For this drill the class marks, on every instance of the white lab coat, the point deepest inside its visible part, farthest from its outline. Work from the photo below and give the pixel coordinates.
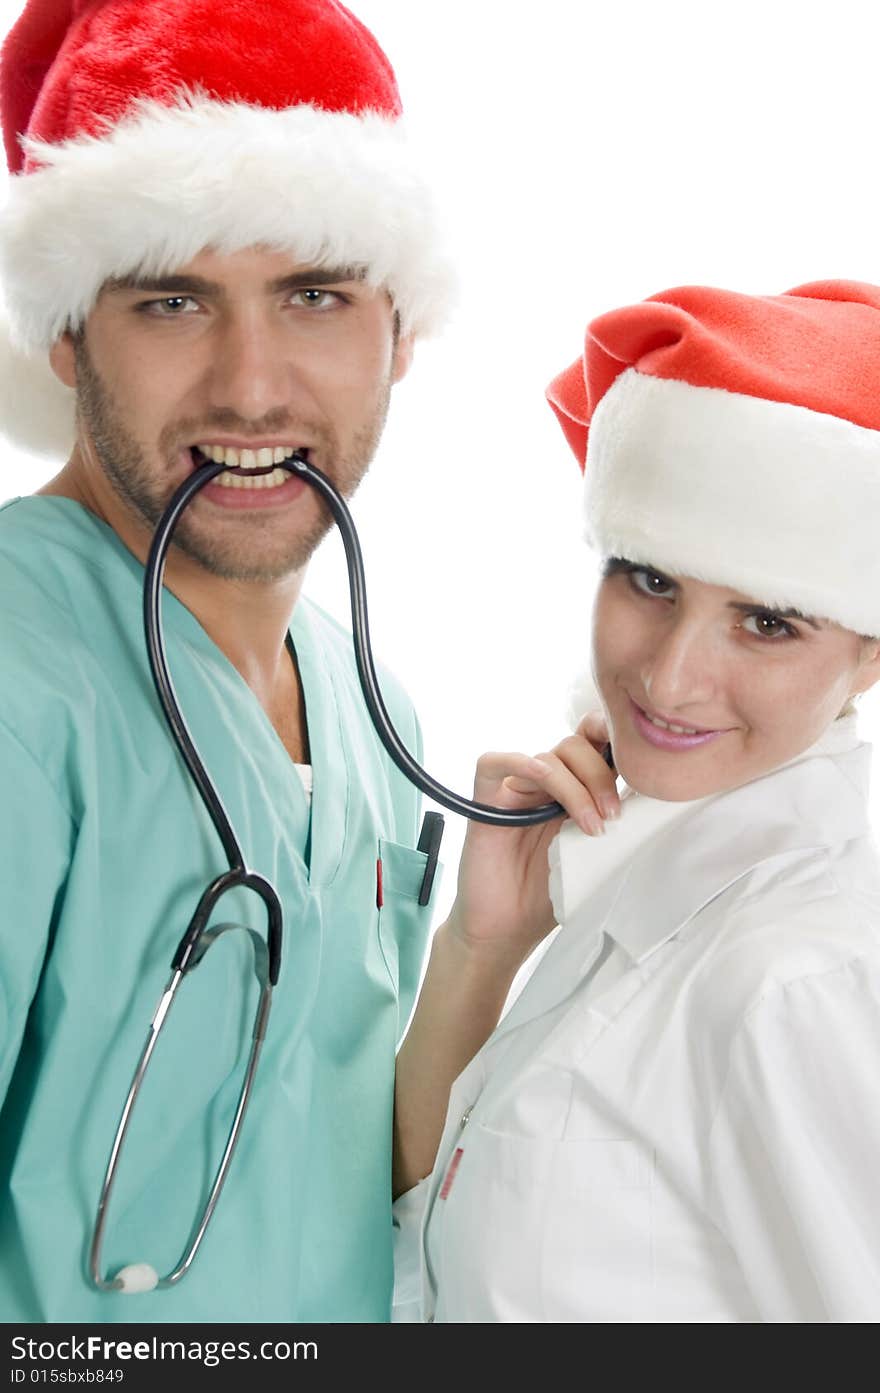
(678, 1119)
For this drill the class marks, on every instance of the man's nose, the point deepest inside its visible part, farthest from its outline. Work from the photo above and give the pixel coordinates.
(251, 373)
(683, 667)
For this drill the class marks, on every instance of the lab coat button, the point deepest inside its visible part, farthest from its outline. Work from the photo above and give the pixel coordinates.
(465, 1117)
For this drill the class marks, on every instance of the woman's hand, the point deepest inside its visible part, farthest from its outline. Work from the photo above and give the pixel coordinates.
(501, 912)
(502, 908)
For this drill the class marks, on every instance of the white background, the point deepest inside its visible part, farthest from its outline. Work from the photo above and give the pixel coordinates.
(586, 155)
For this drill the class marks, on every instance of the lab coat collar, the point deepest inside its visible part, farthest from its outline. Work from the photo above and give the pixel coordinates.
(678, 857)
(816, 801)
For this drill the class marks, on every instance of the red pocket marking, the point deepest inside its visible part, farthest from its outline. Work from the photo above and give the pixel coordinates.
(450, 1174)
(380, 900)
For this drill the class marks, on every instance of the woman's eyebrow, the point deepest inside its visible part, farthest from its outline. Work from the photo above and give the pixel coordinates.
(745, 608)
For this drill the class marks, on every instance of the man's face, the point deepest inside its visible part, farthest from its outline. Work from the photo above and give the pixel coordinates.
(241, 352)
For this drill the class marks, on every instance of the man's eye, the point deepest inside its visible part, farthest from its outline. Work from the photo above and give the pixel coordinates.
(316, 299)
(170, 306)
(651, 582)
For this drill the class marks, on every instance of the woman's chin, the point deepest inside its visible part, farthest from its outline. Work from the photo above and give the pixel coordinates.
(669, 785)
(662, 791)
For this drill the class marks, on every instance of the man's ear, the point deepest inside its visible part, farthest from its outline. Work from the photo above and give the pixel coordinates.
(62, 357)
(403, 356)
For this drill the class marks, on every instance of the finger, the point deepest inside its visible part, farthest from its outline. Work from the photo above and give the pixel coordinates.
(555, 780)
(574, 775)
(517, 780)
(594, 727)
(520, 785)
(511, 779)
(588, 766)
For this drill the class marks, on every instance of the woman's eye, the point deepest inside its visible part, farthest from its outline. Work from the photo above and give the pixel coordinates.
(651, 583)
(768, 626)
(170, 306)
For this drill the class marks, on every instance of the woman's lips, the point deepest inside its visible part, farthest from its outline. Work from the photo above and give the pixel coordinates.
(668, 739)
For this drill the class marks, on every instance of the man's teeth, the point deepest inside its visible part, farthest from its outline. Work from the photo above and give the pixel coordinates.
(252, 481)
(247, 459)
(263, 458)
(676, 730)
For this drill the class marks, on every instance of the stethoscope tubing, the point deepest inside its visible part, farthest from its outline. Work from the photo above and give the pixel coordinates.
(199, 934)
(153, 632)
(446, 797)
(454, 802)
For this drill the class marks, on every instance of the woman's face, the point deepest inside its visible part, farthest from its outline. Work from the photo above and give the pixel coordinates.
(704, 689)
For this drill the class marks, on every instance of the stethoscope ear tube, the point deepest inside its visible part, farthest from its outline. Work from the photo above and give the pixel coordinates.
(152, 607)
(476, 812)
(366, 669)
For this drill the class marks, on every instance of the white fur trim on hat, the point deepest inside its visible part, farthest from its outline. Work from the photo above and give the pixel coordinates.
(332, 188)
(582, 697)
(777, 501)
(37, 412)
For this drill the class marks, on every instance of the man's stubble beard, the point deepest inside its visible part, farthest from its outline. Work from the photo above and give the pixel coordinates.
(246, 559)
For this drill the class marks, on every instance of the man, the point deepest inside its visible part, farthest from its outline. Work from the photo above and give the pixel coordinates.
(214, 237)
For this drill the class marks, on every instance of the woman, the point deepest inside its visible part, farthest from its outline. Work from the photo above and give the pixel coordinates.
(678, 1119)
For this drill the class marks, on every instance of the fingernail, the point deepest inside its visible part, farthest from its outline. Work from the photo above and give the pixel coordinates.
(592, 825)
(609, 807)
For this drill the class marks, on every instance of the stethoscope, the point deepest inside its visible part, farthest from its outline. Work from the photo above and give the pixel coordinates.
(199, 935)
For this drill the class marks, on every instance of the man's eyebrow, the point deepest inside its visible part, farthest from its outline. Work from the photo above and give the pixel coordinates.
(777, 613)
(177, 284)
(326, 275)
(168, 285)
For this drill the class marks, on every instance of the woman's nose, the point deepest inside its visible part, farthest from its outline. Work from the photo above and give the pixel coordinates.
(682, 668)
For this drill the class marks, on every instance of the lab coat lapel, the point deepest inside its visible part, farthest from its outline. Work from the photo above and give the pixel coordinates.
(812, 803)
(563, 967)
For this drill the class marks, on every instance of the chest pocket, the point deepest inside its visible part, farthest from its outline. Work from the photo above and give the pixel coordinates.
(598, 1231)
(403, 922)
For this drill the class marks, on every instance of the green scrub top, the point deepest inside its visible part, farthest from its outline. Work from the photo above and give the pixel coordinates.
(105, 849)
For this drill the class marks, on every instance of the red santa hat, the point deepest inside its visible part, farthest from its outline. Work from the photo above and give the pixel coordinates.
(736, 439)
(140, 132)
